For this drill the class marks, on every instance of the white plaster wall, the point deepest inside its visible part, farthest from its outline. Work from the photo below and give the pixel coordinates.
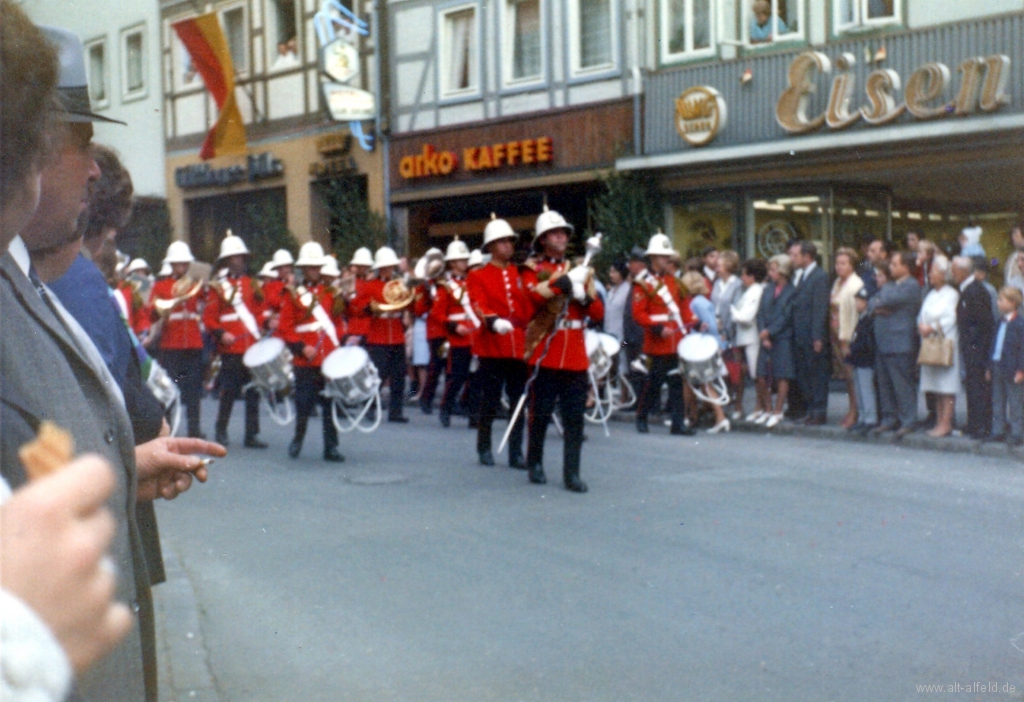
(458, 114)
(923, 13)
(286, 96)
(525, 102)
(595, 92)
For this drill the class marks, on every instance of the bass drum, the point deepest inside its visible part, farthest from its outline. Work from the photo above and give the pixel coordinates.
(700, 362)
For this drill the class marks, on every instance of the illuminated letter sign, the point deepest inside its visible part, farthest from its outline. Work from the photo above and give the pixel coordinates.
(700, 115)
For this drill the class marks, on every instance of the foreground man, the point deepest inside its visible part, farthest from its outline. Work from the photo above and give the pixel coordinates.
(565, 298)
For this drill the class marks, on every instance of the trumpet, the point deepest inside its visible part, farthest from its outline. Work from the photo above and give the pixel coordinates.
(184, 289)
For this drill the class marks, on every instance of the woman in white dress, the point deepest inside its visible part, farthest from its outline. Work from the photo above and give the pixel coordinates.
(938, 313)
(744, 315)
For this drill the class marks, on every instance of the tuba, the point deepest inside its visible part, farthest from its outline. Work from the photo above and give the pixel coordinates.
(429, 267)
(396, 297)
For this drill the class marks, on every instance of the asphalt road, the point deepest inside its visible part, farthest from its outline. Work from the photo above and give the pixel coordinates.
(736, 567)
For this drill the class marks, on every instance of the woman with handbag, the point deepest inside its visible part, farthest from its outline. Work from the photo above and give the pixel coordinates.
(939, 358)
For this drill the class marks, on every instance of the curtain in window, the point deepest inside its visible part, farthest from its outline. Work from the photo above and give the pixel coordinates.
(526, 38)
(97, 73)
(701, 24)
(133, 61)
(595, 22)
(676, 26)
(234, 32)
(460, 50)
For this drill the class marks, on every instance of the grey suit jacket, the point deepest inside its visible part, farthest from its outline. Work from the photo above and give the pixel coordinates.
(44, 374)
(810, 308)
(896, 332)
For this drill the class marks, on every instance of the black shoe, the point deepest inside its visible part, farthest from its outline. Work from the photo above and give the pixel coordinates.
(516, 462)
(682, 430)
(220, 437)
(294, 448)
(641, 427)
(426, 409)
(537, 474)
(446, 419)
(254, 443)
(901, 432)
(399, 420)
(997, 437)
(882, 428)
(486, 458)
(574, 484)
(332, 455)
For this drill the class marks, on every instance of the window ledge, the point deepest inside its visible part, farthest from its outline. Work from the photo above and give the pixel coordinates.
(135, 96)
(781, 45)
(685, 59)
(460, 97)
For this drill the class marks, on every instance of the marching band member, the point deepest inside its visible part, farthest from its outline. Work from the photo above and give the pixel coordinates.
(437, 335)
(659, 307)
(175, 302)
(359, 318)
(476, 262)
(564, 297)
(282, 264)
(385, 339)
(453, 312)
(310, 332)
(499, 300)
(130, 299)
(233, 314)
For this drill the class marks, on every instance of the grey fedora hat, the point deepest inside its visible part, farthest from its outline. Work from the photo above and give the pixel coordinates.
(73, 88)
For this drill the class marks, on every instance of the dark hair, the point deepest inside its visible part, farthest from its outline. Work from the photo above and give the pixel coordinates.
(708, 250)
(886, 246)
(694, 264)
(110, 196)
(981, 264)
(867, 239)
(907, 259)
(621, 266)
(756, 268)
(793, 242)
(28, 92)
(807, 248)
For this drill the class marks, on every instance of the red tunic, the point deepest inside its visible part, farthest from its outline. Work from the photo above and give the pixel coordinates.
(181, 330)
(499, 292)
(652, 313)
(220, 314)
(273, 297)
(423, 305)
(299, 327)
(137, 312)
(386, 328)
(567, 350)
(449, 312)
(358, 319)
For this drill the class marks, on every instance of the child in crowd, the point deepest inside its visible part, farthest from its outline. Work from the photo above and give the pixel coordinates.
(1007, 372)
(862, 358)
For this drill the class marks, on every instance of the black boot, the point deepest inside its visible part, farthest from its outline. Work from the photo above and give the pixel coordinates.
(300, 433)
(294, 448)
(679, 428)
(445, 417)
(332, 455)
(537, 474)
(515, 460)
(486, 458)
(573, 482)
(221, 437)
(254, 442)
(641, 426)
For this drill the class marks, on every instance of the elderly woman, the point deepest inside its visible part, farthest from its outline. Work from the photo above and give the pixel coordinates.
(938, 316)
(744, 316)
(843, 317)
(703, 309)
(775, 330)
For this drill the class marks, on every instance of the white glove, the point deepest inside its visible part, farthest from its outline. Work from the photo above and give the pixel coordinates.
(579, 292)
(502, 326)
(578, 276)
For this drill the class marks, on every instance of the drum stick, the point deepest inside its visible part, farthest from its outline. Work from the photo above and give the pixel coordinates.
(512, 422)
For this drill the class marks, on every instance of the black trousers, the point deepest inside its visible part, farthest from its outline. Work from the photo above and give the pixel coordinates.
(186, 367)
(497, 374)
(391, 365)
(979, 401)
(472, 395)
(657, 376)
(813, 371)
(233, 377)
(569, 390)
(456, 376)
(309, 384)
(436, 366)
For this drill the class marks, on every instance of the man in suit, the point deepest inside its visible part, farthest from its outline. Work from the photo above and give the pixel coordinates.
(811, 355)
(977, 330)
(875, 253)
(895, 309)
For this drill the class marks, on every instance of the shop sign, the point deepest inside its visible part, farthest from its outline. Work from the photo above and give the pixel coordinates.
(347, 104)
(510, 154)
(336, 150)
(201, 175)
(700, 115)
(982, 88)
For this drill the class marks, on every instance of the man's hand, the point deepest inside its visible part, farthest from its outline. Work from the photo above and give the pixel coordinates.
(464, 329)
(988, 377)
(1018, 377)
(54, 534)
(166, 466)
(925, 329)
(227, 338)
(766, 343)
(818, 346)
(309, 352)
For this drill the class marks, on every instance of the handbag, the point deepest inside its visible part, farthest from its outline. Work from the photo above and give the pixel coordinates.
(936, 350)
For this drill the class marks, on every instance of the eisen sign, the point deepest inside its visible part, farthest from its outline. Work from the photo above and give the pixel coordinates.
(982, 87)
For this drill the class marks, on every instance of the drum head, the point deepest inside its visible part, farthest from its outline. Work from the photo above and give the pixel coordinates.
(610, 344)
(697, 348)
(345, 362)
(592, 340)
(263, 352)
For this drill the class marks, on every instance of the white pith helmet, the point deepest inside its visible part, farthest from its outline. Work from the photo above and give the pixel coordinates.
(385, 258)
(330, 268)
(497, 229)
(179, 252)
(659, 245)
(268, 271)
(476, 258)
(165, 269)
(549, 220)
(282, 257)
(137, 264)
(232, 245)
(457, 251)
(362, 257)
(311, 254)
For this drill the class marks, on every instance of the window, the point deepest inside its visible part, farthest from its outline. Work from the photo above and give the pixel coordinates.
(860, 14)
(459, 62)
(133, 63)
(233, 21)
(97, 57)
(592, 38)
(524, 61)
(282, 35)
(687, 28)
(773, 20)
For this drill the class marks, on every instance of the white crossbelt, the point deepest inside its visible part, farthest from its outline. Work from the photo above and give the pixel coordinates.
(662, 291)
(178, 316)
(461, 295)
(389, 315)
(659, 317)
(311, 327)
(229, 318)
(567, 324)
(323, 321)
(458, 317)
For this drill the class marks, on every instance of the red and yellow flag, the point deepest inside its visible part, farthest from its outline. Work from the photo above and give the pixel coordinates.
(204, 40)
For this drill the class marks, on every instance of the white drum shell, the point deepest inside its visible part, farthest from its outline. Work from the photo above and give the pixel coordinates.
(600, 359)
(270, 363)
(350, 376)
(700, 358)
(162, 385)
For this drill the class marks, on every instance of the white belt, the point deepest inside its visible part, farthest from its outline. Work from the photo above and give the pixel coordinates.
(659, 318)
(229, 318)
(177, 316)
(462, 317)
(389, 315)
(571, 324)
(311, 327)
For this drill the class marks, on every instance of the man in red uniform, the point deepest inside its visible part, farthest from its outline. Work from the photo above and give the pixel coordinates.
(659, 307)
(309, 330)
(282, 264)
(233, 315)
(453, 313)
(499, 300)
(359, 319)
(385, 340)
(181, 340)
(437, 335)
(560, 355)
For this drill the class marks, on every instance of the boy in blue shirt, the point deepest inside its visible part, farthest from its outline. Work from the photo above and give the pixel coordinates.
(1007, 372)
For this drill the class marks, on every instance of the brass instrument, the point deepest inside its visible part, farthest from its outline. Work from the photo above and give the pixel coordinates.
(184, 289)
(345, 286)
(429, 267)
(396, 297)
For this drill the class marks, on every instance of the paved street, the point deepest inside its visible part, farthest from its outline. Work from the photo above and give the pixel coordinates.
(734, 567)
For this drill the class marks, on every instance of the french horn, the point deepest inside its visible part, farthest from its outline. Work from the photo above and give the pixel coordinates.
(396, 297)
(429, 267)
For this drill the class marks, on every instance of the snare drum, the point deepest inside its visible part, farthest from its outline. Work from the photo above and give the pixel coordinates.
(162, 385)
(270, 363)
(350, 376)
(700, 358)
(601, 350)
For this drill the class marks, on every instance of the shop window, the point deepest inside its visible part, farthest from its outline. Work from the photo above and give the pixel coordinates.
(98, 76)
(852, 15)
(770, 21)
(522, 49)
(697, 226)
(459, 64)
(233, 22)
(777, 220)
(687, 28)
(591, 35)
(133, 64)
(282, 35)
